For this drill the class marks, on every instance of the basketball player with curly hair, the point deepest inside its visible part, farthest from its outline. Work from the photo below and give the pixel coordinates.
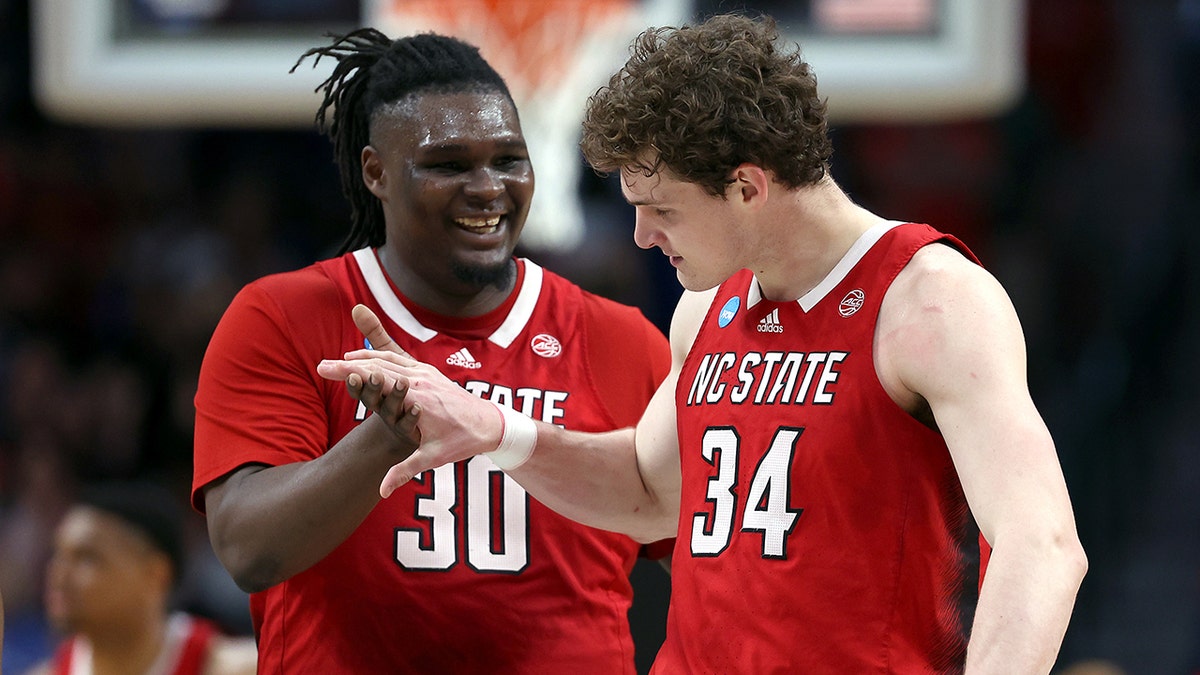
(847, 410)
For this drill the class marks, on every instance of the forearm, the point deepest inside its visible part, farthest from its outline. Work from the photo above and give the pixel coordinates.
(1025, 605)
(270, 523)
(605, 480)
(598, 480)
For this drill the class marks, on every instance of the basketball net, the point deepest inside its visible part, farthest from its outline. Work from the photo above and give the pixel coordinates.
(553, 54)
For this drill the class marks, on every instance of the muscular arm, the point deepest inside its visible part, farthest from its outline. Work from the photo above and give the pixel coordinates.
(269, 523)
(277, 497)
(948, 337)
(625, 481)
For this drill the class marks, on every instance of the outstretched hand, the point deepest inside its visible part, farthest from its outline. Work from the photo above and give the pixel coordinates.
(451, 423)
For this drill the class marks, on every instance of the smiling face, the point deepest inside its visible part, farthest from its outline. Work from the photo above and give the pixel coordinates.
(453, 175)
(699, 232)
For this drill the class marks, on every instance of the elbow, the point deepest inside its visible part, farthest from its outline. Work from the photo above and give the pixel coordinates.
(1056, 552)
(1065, 558)
(254, 581)
(1077, 562)
(253, 576)
(648, 530)
(252, 571)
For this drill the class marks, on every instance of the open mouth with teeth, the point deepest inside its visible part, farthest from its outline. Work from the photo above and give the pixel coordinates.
(487, 225)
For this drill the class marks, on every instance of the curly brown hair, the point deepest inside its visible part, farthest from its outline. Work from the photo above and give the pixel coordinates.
(700, 100)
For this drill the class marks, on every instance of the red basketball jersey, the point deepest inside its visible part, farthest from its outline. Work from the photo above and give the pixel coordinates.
(822, 529)
(460, 570)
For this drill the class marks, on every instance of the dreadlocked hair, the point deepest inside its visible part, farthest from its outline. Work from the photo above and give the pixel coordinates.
(373, 71)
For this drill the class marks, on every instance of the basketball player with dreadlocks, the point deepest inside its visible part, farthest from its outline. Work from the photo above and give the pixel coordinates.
(462, 571)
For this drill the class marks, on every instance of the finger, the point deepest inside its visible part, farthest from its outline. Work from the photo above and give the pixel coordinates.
(372, 328)
(364, 394)
(332, 369)
(340, 369)
(407, 425)
(354, 385)
(375, 390)
(397, 358)
(392, 407)
(400, 474)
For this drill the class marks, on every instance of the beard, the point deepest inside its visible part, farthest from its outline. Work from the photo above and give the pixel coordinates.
(501, 276)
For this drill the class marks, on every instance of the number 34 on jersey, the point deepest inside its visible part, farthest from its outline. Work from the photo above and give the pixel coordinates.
(765, 509)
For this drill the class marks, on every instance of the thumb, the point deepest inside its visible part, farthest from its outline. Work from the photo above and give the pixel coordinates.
(372, 328)
(401, 473)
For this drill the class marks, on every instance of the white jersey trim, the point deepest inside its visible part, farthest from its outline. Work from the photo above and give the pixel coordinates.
(522, 309)
(859, 249)
(504, 335)
(380, 288)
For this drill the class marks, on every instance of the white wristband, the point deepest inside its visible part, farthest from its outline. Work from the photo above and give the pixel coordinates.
(517, 440)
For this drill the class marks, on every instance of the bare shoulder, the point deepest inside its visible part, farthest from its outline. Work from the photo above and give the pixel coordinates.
(943, 316)
(938, 268)
(940, 286)
(232, 656)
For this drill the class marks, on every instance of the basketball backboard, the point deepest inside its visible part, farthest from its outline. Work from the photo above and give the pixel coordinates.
(102, 62)
(226, 62)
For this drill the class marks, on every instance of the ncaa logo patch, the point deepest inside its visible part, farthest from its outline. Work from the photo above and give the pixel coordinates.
(546, 346)
(852, 302)
(729, 311)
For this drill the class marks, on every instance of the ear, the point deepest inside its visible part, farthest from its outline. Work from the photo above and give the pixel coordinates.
(751, 186)
(372, 172)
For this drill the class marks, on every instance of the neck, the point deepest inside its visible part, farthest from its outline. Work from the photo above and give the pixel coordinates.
(806, 233)
(130, 649)
(452, 295)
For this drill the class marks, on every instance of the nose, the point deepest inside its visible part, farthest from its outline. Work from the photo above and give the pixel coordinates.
(485, 183)
(644, 234)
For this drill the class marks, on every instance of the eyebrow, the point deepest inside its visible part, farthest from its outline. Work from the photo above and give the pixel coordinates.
(641, 201)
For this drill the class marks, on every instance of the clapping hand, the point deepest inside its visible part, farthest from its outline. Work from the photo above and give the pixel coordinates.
(416, 400)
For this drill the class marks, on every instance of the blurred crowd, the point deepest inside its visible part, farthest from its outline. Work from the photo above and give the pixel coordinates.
(120, 248)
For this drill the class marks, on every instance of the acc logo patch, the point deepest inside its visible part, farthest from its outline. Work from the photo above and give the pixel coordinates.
(546, 346)
(852, 302)
(729, 311)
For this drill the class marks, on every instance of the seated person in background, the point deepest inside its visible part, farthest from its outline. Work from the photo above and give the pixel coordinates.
(118, 553)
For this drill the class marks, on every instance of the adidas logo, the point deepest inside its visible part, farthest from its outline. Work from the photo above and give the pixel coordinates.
(770, 323)
(463, 359)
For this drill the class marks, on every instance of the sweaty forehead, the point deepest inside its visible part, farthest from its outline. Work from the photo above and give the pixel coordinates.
(427, 118)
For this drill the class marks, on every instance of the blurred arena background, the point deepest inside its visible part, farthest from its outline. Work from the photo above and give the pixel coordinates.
(155, 155)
